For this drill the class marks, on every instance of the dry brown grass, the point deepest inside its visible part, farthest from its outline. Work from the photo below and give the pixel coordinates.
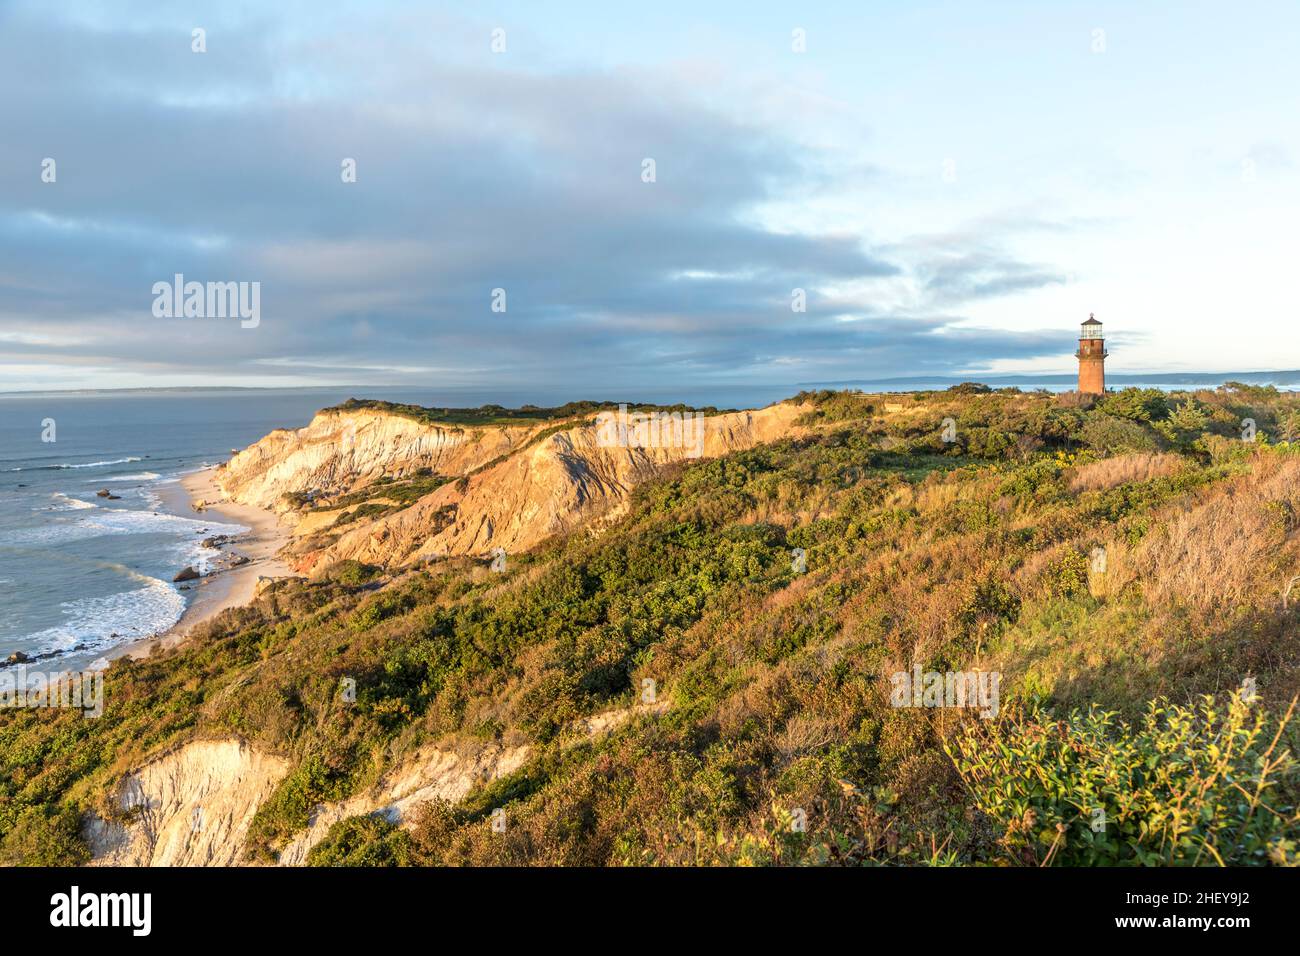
(1215, 551)
(1123, 470)
(940, 491)
(805, 733)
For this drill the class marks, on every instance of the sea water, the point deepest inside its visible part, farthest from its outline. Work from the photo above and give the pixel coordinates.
(81, 574)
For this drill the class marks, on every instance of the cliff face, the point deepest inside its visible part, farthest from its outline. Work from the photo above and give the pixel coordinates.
(343, 451)
(431, 774)
(516, 486)
(505, 487)
(193, 805)
(190, 807)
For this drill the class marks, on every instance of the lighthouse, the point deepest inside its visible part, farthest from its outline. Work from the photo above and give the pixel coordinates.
(1092, 358)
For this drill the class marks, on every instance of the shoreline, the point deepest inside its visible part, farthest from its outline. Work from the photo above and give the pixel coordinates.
(193, 496)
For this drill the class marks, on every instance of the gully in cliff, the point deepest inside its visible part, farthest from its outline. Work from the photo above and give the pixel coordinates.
(651, 430)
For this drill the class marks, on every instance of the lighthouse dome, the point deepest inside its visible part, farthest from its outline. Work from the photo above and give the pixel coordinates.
(1090, 329)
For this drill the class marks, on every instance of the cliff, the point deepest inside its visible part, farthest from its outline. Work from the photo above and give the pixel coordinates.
(508, 487)
(726, 650)
(189, 807)
(343, 451)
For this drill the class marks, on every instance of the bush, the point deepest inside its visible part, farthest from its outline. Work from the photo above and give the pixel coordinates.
(40, 838)
(1136, 404)
(1289, 426)
(289, 808)
(362, 841)
(1067, 576)
(1108, 435)
(351, 573)
(1185, 425)
(1186, 786)
(1037, 480)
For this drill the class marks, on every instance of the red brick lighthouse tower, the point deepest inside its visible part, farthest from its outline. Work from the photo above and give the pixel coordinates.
(1092, 358)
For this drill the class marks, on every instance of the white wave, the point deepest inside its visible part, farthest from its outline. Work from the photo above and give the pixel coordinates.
(142, 476)
(101, 464)
(70, 504)
(131, 615)
(90, 521)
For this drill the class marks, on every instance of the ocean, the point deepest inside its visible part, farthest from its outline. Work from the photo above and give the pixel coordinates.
(81, 574)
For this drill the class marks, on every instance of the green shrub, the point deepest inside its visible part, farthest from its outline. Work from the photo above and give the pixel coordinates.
(1185, 786)
(1136, 404)
(1067, 576)
(288, 809)
(1038, 480)
(1185, 425)
(352, 573)
(362, 841)
(1109, 435)
(370, 509)
(41, 837)
(380, 608)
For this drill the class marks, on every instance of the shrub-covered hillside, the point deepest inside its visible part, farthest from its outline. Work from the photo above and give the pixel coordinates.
(1121, 563)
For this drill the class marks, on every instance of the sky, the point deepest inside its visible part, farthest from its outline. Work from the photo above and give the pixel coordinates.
(953, 186)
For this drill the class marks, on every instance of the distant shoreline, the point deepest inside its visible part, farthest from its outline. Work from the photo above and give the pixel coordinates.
(1284, 378)
(1287, 380)
(227, 587)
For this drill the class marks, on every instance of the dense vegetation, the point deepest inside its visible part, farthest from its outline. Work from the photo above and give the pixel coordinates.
(1152, 685)
(500, 415)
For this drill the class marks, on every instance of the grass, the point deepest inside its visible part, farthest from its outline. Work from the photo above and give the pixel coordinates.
(953, 555)
(499, 415)
(395, 492)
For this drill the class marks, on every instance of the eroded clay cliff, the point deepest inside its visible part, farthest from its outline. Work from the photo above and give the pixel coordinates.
(513, 486)
(191, 806)
(343, 451)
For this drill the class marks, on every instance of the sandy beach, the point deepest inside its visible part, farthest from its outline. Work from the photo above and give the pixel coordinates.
(227, 587)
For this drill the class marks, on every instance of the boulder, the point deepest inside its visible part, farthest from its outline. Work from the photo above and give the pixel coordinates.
(189, 574)
(18, 657)
(104, 493)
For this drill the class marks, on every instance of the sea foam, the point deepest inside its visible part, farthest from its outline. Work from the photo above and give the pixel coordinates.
(131, 615)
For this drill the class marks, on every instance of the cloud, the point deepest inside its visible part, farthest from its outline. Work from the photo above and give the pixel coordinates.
(474, 173)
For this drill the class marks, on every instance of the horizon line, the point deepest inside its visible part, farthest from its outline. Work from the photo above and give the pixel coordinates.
(1001, 377)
